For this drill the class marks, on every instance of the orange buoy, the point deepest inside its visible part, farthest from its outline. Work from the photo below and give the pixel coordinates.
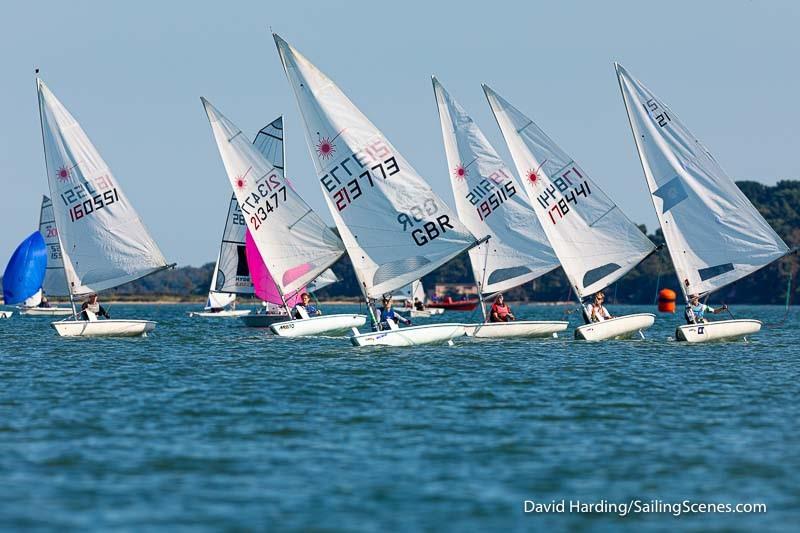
(666, 301)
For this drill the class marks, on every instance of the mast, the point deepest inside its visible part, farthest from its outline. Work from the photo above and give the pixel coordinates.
(55, 219)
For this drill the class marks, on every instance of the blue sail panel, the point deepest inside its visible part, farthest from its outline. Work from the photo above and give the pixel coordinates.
(24, 273)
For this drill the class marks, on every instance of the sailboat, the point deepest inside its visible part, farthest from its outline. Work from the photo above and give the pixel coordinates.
(409, 295)
(231, 275)
(55, 280)
(103, 241)
(490, 201)
(23, 276)
(394, 227)
(594, 240)
(714, 233)
(294, 242)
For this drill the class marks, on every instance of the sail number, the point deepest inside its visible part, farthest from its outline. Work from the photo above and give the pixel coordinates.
(95, 203)
(345, 181)
(662, 118)
(259, 213)
(424, 231)
(494, 190)
(568, 191)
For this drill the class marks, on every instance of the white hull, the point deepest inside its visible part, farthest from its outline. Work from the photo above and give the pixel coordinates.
(6, 314)
(227, 313)
(103, 328)
(425, 313)
(412, 336)
(519, 328)
(45, 311)
(262, 320)
(317, 325)
(717, 331)
(622, 327)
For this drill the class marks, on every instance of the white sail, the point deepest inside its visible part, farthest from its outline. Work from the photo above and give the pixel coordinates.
(295, 243)
(395, 228)
(714, 234)
(595, 242)
(269, 141)
(490, 201)
(322, 281)
(410, 292)
(102, 237)
(217, 299)
(55, 278)
(231, 274)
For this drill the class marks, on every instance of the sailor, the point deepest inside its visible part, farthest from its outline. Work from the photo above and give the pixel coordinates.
(695, 311)
(44, 303)
(387, 313)
(596, 311)
(91, 304)
(418, 305)
(500, 311)
(305, 304)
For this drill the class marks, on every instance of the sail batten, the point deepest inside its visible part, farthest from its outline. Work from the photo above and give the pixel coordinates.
(595, 242)
(714, 233)
(490, 201)
(395, 228)
(104, 243)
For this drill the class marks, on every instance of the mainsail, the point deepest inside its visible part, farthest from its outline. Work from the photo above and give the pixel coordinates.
(595, 242)
(490, 201)
(231, 275)
(102, 237)
(714, 234)
(295, 243)
(55, 278)
(395, 228)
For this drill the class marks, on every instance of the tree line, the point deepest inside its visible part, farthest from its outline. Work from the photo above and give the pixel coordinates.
(779, 204)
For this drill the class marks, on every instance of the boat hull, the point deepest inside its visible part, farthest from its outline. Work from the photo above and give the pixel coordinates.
(622, 327)
(45, 311)
(262, 320)
(6, 314)
(228, 313)
(462, 305)
(425, 313)
(518, 328)
(411, 336)
(722, 330)
(103, 328)
(317, 325)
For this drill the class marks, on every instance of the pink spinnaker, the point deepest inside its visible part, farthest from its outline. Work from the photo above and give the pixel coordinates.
(263, 283)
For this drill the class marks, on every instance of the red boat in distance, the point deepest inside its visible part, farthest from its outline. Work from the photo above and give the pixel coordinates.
(454, 305)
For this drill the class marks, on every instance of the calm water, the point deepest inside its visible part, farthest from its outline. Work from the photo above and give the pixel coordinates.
(209, 425)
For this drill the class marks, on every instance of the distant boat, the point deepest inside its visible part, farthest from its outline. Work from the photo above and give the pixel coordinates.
(448, 303)
(409, 296)
(714, 233)
(24, 274)
(394, 227)
(231, 275)
(490, 201)
(103, 241)
(594, 240)
(294, 242)
(55, 278)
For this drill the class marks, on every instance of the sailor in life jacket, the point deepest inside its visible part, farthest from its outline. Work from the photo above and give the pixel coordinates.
(387, 313)
(500, 311)
(305, 305)
(596, 311)
(695, 311)
(92, 305)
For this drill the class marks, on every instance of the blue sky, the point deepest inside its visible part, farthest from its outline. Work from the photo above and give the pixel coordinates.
(132, 74)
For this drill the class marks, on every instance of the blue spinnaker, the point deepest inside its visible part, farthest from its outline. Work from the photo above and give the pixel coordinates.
(24, 273)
